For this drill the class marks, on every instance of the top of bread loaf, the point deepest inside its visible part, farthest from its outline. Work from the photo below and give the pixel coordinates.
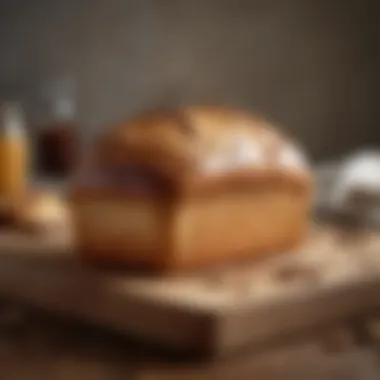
(201, 142)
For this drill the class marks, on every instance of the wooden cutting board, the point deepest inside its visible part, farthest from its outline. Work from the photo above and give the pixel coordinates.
(334, 275)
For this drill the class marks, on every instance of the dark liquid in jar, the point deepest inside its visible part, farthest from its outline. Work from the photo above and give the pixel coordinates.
(57, 150)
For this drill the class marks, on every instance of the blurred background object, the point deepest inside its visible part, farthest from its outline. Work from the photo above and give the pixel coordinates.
(14, 158)
(311, 65)
(57, 134)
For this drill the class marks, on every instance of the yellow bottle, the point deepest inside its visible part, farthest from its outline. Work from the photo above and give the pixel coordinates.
(14, 156)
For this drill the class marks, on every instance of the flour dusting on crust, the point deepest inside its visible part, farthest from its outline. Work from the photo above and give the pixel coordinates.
(292, 158)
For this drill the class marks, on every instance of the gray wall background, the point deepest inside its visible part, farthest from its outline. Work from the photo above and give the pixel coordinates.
(311, 65)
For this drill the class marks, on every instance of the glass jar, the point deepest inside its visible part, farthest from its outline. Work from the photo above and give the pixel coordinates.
(58, 138)
(14, 156)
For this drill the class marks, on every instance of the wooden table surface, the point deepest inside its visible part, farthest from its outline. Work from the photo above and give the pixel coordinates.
(34, 345)
(38, 346)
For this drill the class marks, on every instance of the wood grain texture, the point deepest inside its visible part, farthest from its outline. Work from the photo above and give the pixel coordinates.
(332, 277)
(47, 349)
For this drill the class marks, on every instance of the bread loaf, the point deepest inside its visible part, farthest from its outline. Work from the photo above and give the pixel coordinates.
(190, 187)
(41, 211)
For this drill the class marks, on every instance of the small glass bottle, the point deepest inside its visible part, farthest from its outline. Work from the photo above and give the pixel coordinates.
(14, 155)
(57, 138)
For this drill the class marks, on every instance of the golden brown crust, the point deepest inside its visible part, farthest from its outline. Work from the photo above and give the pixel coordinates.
(181, 133)
(200, 145)
(112, 228)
